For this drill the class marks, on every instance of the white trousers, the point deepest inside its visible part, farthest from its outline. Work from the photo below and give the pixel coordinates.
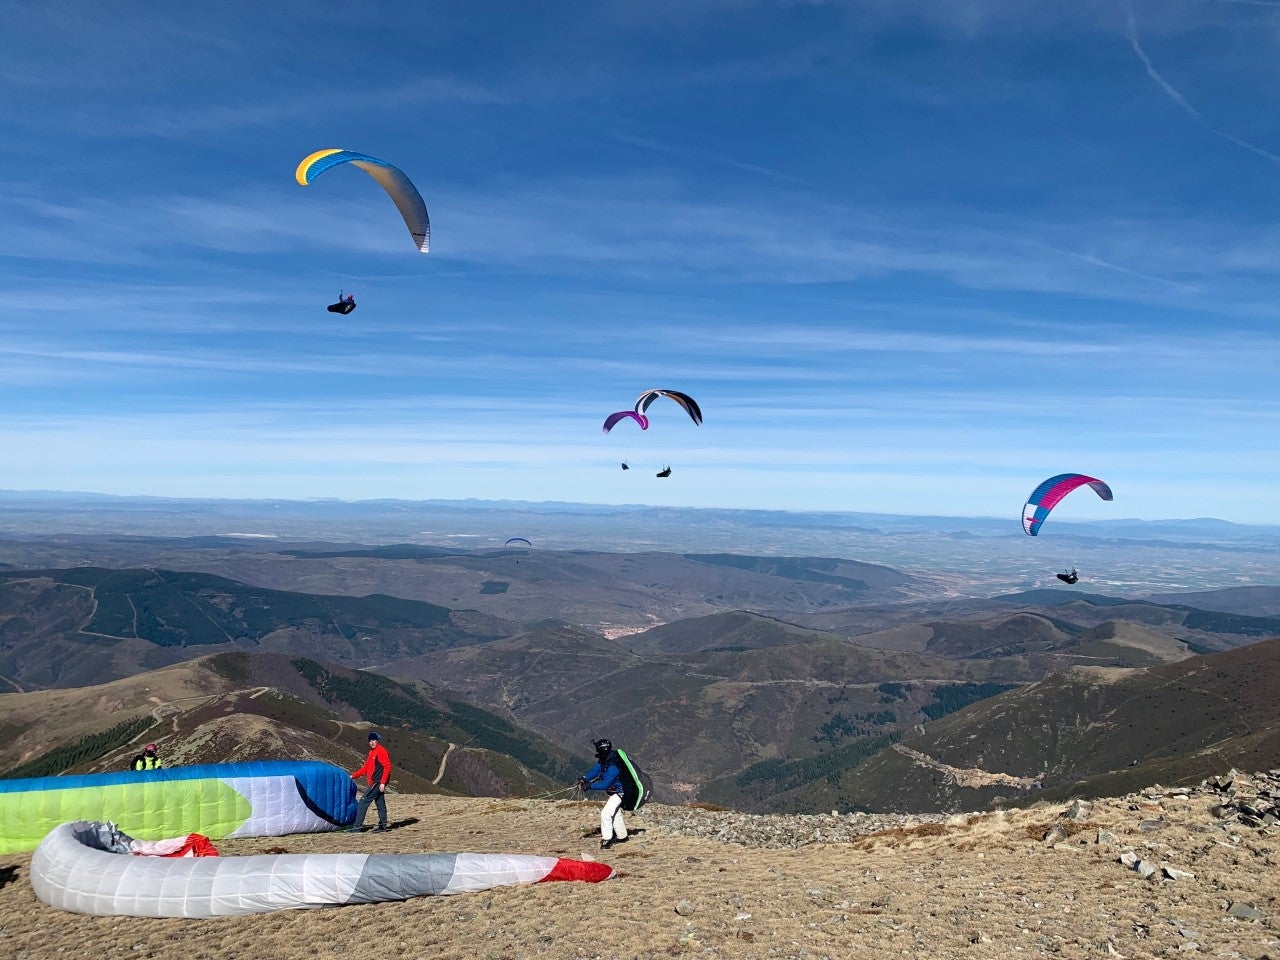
(611, 824)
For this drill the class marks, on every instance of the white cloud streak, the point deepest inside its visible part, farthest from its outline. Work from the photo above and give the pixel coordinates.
(1182, 102)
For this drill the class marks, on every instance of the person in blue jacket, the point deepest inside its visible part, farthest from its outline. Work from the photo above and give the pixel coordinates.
(606, 775)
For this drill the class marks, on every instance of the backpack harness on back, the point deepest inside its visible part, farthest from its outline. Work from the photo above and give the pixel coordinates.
(636, 785)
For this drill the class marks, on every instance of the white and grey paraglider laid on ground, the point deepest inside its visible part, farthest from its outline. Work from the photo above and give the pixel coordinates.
(89, 867)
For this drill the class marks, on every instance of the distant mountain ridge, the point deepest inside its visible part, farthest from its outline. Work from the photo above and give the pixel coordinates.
(35, 502)
(1259, 601)
(134, 619)
(978, 555)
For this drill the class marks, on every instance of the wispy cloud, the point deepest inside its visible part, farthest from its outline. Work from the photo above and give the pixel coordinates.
(1182, 102)
(652, 229)
(684, 151)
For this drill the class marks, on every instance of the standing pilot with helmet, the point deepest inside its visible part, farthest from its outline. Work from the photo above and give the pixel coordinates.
(147, 759)
(606, 775)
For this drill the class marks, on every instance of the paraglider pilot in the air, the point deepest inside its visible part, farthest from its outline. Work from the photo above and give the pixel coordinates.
(344, 305)
(1068, 577)
(606, 775)
(664, 472)
(624, 466)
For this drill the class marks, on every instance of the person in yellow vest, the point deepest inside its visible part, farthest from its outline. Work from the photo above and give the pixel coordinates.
(147, 759)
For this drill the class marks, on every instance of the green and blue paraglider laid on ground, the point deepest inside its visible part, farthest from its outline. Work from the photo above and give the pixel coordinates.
(264, 798)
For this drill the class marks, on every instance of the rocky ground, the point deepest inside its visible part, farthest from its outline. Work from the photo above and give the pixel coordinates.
(1191, 871)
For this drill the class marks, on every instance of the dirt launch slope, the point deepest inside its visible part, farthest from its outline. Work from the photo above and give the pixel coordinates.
(703, 883)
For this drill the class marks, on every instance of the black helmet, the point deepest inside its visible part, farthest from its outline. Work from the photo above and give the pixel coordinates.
(603, 748)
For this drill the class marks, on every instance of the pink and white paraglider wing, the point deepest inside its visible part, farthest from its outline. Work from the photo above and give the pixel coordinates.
(1048, 494)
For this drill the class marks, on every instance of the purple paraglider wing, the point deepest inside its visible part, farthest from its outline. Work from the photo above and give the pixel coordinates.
(1046, 496)
(613, 419)
(687, 402)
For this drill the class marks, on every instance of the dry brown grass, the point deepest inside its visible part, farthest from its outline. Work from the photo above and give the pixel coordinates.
(1068, 828)
(955, 891)
(900, 834)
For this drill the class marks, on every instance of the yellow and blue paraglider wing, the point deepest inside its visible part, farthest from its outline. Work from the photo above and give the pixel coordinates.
(399, 187)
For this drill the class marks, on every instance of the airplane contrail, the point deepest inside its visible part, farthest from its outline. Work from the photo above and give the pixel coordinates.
(1131, 33)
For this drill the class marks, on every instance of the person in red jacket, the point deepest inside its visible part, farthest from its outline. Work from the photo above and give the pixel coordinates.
(377, 767)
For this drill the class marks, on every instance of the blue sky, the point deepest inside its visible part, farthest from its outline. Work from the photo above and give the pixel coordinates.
(910, 257)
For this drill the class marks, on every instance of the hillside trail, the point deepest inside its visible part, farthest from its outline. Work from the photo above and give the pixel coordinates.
(159, 711)
(703, 883)
(17, 687)
(444, 759)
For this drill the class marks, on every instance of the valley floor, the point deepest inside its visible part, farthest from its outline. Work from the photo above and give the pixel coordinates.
(714, 884)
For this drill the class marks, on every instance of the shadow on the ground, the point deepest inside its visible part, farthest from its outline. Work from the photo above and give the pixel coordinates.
(596, 833)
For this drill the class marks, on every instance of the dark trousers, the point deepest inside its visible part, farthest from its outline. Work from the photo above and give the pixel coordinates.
(372, 795)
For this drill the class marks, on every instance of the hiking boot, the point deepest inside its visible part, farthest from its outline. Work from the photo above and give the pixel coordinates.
(380, 828)
(606, 844)
(621, 839)
(355, 829)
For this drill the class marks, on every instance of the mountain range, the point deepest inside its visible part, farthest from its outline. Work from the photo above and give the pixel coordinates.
(969, 555)
(760, 682)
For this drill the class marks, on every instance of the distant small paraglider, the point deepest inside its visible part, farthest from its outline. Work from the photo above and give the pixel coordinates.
(624, 465)
(1071, 577)
(518, 540)
(664, 472)
(689, 405)
(614, 419)
(344, 305)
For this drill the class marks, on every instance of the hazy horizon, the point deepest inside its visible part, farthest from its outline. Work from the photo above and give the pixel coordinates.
(1060, 519)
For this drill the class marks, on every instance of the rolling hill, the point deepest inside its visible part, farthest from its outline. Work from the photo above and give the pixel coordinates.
(1259, 601)
(74, 626)
(232, 706)
(1085, 731)
(939, 625)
